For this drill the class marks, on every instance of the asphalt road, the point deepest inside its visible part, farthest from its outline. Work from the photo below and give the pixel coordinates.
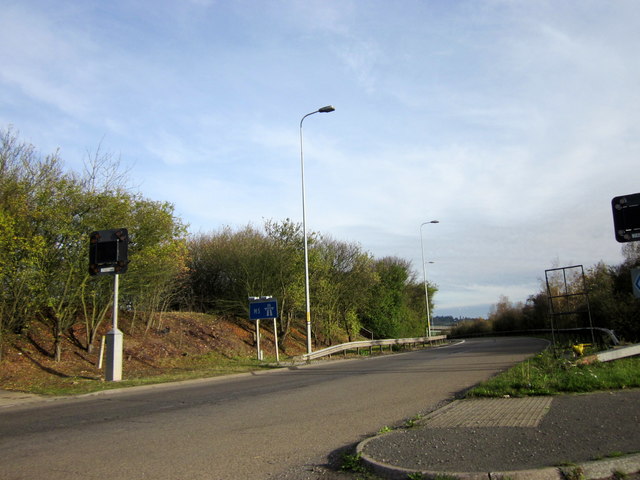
(278, 424)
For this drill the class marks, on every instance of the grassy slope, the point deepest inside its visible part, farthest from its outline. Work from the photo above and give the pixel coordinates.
(546, 374)
(190, 345)
(179, 346)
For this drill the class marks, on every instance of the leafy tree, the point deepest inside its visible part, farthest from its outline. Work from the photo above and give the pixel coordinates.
(227, 266)
(288, 270)
(384, 310)
(471, 327)
(46, 215)
(345, 277)
(38, 204)
(19, 276)
(611, 301)
(535, 312)
(631, 254)
(624, 308)
(354, 275)
(59, 203)
(158, 257)
(21, 247)
(415, 323)
(506, 316)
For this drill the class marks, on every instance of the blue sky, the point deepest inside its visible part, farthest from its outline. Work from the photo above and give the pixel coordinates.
(513, 123)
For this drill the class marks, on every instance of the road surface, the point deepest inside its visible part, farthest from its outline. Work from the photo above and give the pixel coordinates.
(268, 425)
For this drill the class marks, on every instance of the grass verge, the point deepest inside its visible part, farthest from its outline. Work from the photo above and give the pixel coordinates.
(549, 374)
(196, 367)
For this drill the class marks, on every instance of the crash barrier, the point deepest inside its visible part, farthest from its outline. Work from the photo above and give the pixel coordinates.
(605, 331)
(388, 342)
(616, 353)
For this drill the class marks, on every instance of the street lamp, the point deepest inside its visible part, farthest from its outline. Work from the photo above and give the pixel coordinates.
(327, 109)
(424, 274)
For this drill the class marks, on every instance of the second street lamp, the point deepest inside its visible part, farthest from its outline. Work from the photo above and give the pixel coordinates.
(327, 109)
(424, 274)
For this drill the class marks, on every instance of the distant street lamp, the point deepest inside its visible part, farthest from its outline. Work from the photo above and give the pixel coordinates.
(327, 109)
(424, 273)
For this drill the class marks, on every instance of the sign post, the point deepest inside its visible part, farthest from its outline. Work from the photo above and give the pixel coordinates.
(264, 308)
(115, 342)
(108, 251)
(275, 339)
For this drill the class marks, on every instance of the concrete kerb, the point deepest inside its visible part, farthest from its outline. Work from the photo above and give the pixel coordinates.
(627, 464)
(393, 472)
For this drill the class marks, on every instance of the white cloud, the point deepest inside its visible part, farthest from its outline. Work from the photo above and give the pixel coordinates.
(512, 123)
(34, 58)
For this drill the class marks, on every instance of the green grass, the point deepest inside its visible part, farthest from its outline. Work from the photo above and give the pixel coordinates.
(619, 475)
(413, 422)
(546, 374)
(576, 473)
(352, 463)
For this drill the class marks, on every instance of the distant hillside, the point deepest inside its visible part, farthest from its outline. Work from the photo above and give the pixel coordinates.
(448, 320)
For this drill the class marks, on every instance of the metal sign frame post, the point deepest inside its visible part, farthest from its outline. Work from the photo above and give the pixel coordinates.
(275, 339)
(259, 350)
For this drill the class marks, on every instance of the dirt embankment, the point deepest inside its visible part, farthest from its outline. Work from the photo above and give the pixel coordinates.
(176, 341)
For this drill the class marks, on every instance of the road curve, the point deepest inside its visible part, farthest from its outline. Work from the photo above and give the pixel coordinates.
(253, 426)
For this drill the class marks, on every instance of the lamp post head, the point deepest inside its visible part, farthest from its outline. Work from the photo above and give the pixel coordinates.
(426, 223)
(327, 109)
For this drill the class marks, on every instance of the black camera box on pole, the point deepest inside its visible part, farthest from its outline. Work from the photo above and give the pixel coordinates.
(108, 250)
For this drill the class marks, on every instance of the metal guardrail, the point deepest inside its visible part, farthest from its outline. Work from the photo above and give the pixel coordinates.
(616, 353)
(608, 332)
(343, 347)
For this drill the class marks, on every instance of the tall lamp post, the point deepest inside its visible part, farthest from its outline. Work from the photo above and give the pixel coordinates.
(424, 274)
(327, 109)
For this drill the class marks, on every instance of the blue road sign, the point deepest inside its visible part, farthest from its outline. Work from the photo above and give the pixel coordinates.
(263, 309)
(635, 280)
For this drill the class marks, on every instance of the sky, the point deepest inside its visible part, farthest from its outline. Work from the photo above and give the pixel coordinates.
(513, 123)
